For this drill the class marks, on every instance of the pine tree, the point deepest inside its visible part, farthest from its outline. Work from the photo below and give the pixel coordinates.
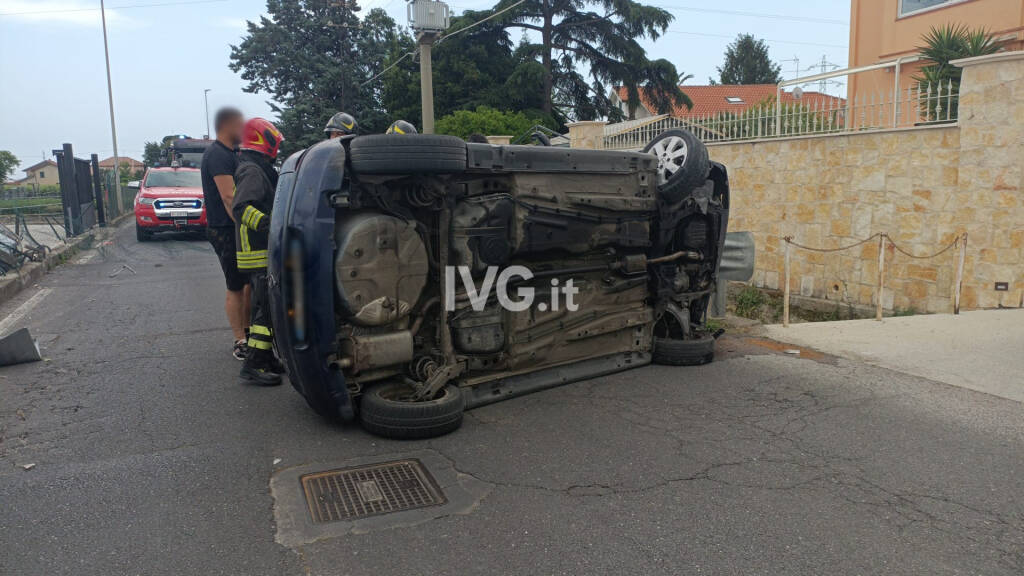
(747, 62)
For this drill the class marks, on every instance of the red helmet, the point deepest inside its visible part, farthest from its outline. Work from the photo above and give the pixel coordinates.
(261, 136)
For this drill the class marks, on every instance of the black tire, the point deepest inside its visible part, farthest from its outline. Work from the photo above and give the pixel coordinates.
(672, 352)
(407, 154)
(141, 235)
(383, 415)
(692, 170)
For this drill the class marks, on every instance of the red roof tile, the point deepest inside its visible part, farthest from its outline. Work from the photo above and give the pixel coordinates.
(709, 100)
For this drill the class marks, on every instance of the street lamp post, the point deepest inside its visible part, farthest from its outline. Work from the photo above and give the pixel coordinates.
(428, 18)
(206, 104)
(113, 126)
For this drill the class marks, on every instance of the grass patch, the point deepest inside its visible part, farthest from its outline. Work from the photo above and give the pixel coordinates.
(749, 302)
(36, 201)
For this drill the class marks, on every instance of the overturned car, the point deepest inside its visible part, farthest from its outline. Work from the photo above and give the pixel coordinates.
(415, 276)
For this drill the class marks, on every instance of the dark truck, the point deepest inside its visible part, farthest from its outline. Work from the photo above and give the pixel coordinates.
(415, 276)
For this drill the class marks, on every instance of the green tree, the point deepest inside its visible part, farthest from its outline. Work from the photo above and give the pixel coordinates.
(941, 45)
(313, 58)
(490, 121)
(8, 165)
(152, 154)
(601, 37)
(747, 62)
(476, 68)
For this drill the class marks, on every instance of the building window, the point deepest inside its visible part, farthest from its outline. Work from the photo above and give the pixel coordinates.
(910, 7)
(734, 100)
(42, 174)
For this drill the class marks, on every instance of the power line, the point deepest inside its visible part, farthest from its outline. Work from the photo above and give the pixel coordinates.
(479, 22)
(129, 6)
(843, 46)
(384, 71)
(756, 14)
(442, 39)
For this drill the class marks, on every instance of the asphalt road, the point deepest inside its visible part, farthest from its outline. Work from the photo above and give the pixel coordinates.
(151, 459)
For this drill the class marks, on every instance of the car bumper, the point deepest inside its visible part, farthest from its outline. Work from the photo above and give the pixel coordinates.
(301, 270)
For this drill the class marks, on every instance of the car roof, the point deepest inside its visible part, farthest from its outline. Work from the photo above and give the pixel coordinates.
(172, 169)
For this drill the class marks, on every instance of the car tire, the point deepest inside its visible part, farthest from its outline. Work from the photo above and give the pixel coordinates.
(673, 352)
(383, 415)
(678, 176)
(407, 154)
(140, 234)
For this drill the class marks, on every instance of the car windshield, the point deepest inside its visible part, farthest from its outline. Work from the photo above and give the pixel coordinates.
(175, 179)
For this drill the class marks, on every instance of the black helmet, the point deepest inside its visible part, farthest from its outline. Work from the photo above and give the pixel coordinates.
(401, 127)
(342, 122)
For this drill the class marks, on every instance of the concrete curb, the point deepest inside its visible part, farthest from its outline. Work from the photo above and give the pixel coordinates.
(32, 272)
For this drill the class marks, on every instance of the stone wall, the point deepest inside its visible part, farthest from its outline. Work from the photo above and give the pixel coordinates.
(922, 186)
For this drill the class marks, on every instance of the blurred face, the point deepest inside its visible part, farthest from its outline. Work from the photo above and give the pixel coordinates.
(233, 129)
(334, 134)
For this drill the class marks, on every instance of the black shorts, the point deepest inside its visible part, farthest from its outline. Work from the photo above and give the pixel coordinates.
(223, 241)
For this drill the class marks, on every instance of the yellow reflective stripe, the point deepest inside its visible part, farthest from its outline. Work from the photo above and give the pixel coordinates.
(251, 217)
(254, 265)
(243, 233)
(260, 345)
(257, 255)
(259, 330)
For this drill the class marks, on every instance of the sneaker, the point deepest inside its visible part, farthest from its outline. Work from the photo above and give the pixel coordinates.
(241, 350)
(256, 370)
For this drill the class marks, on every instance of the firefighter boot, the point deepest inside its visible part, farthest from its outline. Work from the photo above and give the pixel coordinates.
(258, 369)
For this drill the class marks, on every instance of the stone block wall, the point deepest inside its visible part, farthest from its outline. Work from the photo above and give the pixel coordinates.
(922, 186)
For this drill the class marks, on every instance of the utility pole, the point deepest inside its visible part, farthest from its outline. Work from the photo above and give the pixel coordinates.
(113, 127)
(428, 18)
(426, 83)
(206, 104)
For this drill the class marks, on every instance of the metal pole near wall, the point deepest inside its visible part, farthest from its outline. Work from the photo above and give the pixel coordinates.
(881, 277)
(110, 98)
(785, 297)
(97, 191)
(959, 274)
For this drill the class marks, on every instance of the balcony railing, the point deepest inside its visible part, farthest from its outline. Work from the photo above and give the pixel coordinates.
(802, 114)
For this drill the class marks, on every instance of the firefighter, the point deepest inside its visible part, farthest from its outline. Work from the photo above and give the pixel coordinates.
(401, 127)
(341, 124)
(255, 182)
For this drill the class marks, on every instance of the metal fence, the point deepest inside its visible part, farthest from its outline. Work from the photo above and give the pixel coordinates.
(798, 114)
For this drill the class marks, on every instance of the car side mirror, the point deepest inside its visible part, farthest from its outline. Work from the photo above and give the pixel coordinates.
(134, 185)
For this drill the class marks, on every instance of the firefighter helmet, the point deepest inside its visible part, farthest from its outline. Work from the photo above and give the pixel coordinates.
(401, 127)
(261, 136)
(343, 123)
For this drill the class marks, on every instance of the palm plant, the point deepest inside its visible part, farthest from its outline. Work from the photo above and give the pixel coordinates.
(941, 46)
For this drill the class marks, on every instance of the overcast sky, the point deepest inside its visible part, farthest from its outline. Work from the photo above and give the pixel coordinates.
(163, 57)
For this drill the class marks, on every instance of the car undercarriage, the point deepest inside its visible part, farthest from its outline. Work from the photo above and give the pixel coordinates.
(462, 274)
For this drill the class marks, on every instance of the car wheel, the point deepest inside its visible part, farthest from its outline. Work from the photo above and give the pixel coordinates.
(673, 352)
(388, 410)
(683, 163)
(407, 154)
(140, 234)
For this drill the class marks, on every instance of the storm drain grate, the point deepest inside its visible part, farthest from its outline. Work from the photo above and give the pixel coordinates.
(352, 493)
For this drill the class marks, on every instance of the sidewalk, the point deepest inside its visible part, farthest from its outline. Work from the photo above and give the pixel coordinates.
(981, 350)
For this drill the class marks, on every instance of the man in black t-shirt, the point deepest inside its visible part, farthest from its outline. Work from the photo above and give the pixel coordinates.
(218, 174)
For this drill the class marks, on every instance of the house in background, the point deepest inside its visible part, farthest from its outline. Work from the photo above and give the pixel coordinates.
(722, 99)
(132, 164)
(37, 176)
(887, 30)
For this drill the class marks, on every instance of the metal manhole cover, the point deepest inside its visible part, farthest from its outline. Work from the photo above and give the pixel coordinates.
(352, 493)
